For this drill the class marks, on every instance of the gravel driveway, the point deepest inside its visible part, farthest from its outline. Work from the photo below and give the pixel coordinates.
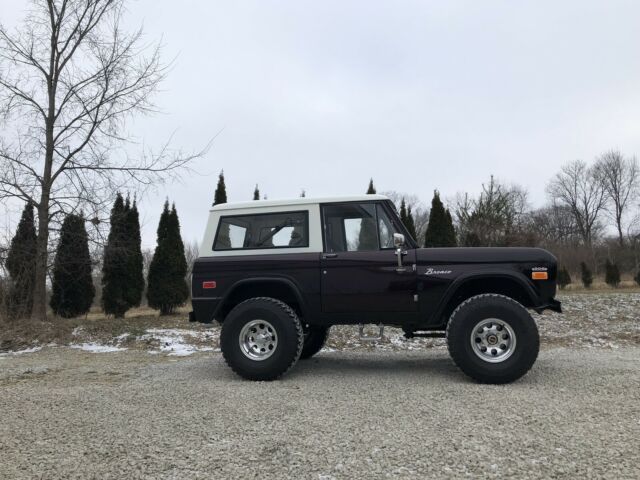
(73, 414)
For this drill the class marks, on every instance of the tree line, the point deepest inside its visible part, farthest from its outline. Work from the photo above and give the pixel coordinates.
(573, 226)
(582, 202)
(122, 274)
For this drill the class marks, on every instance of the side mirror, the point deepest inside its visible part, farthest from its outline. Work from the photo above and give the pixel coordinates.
(398, 240)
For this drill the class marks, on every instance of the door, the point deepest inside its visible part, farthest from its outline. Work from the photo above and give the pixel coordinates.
(359, 265)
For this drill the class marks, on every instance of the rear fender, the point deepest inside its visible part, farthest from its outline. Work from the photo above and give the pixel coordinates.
(281, 288)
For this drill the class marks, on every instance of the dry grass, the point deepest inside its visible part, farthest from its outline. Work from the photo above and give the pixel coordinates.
(18, 334)
(627, 284)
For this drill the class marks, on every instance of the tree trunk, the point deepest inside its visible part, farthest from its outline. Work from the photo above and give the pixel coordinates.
(620, 235)
(39, 311)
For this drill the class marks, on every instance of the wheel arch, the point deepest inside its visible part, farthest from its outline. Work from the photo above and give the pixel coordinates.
(514, 286)
(282, 289)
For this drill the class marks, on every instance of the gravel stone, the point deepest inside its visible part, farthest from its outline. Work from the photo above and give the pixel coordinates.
(67, 413)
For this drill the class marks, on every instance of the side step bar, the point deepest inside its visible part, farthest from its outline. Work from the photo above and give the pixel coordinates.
(431, 334)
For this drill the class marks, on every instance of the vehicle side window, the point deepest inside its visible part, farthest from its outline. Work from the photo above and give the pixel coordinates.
(386, 228)
(262, 231)
(350, 227)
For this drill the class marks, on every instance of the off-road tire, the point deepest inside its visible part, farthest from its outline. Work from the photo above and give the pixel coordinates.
(288, 331)
(492, 306)
(314, 339)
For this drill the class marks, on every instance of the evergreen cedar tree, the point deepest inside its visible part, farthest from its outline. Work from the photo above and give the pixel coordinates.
(407, 219)
(167, 285)
(113, 265)
(564, 278)
(220, 195)
(21, 266)
(73, 290)
(611, 274)
(371, 190)
(122, 268)
(368, 236)
(256, 193)
(135, 278)
(403, 213)
(411, 225)
(440, 231)
(585, 275)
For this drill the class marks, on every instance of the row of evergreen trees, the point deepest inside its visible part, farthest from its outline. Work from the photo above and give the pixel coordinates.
(122, 268)
(611, 276)
(123, 283)
(220, 195)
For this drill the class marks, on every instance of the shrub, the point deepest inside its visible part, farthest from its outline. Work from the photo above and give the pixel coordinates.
(115, 264)
(585, 275)
(564, 278)
(21, 266)
(167, 285)
(73, 290)
(611, 274)
(440, 231)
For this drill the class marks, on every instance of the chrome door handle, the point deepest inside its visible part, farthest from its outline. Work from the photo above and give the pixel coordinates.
(330, 255)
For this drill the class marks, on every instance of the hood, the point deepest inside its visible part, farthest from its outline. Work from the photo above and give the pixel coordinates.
(484, 255)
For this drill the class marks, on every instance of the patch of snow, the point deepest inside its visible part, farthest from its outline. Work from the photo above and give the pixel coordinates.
(172, 340)
(96, 348)
(20, 352)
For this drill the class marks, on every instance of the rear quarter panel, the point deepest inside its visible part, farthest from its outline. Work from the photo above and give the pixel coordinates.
(300, 269)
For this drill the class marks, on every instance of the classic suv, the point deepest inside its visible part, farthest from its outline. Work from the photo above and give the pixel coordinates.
(278, 274)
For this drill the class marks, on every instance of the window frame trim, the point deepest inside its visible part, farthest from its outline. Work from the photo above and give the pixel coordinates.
(260, 249)
(391, 213)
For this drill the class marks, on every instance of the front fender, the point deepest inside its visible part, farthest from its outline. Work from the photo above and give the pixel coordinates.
(524, 290)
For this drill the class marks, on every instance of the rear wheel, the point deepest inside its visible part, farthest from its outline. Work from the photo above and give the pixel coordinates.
(314, 339)
(493, 338)
(261, 338)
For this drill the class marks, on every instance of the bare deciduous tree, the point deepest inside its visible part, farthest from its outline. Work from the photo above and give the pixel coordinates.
(554, 225)
(620, 177)
(581, 189)
(70, 78)
(494, 218)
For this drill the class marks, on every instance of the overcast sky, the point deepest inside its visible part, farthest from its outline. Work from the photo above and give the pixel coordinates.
(418, 95)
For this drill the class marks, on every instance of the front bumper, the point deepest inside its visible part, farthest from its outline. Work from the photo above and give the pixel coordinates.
(553, 305)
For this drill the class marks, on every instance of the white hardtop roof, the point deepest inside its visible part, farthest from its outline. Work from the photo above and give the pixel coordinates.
(295, 202)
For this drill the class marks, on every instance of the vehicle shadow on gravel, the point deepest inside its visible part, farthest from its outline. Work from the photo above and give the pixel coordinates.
(364, 366)
(440, 369)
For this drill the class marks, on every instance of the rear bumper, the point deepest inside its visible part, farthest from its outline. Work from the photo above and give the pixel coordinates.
(204, 309)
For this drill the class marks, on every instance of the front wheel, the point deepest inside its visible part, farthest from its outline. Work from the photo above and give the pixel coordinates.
(261, 338)
(493, 339)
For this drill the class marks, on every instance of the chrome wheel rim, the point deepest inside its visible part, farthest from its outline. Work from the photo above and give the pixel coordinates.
(493, 340)
(258, 340)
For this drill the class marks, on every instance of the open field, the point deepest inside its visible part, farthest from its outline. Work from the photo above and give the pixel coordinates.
(149, 397)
